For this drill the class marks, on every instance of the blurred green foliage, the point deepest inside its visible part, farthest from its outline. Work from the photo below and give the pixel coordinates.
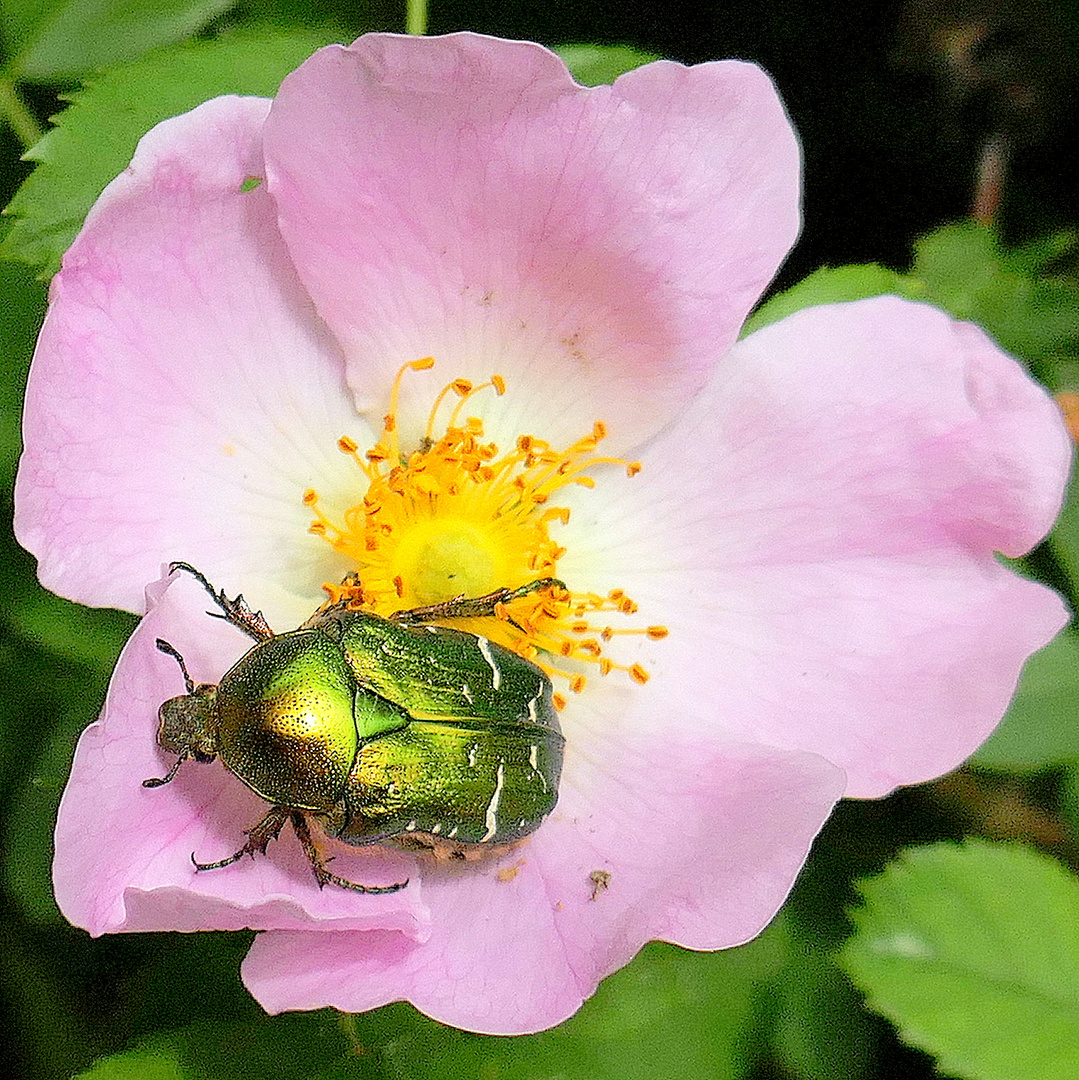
(973, 950)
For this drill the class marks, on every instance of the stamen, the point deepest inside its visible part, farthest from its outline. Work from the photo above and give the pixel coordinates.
(458, 517)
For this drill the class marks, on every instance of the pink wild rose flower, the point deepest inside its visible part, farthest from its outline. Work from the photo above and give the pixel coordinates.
(779, 552)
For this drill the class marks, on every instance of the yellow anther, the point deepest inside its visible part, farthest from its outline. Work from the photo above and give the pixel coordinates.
(455, 515)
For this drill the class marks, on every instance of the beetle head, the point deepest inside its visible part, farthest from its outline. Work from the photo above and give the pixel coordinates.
(188, 724)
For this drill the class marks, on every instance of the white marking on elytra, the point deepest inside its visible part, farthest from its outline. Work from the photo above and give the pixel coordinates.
(485, 651)
(533, 714)
(467, 691)
(472, 755)
(491, 819)
(533, 760)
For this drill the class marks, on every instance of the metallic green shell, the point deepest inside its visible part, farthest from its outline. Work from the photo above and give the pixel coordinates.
(385, 729)
(468, 783)
(438, 673)
(287, 723)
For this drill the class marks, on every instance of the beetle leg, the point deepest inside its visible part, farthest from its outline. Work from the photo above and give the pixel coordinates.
(318, 864)
(157, 781)
(257, 838)
(474, 607)
(237, 612)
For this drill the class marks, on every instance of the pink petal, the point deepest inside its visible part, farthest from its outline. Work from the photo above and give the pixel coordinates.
(461, 197)
(701, 838)
(183, 394)
(123, 852)
(818, 533)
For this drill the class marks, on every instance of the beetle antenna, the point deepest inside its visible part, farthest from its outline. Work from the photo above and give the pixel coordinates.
(168, 650)
(157, 781)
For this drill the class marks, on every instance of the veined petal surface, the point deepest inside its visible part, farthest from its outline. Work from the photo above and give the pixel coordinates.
(819, 529)
(183, 393)
(463, 198)
(701, 839)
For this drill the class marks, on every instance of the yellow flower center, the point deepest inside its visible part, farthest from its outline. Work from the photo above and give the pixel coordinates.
(455, 517)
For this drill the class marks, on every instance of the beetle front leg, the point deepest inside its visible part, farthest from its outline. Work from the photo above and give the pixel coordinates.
(269, 828)
(475, 607)
(318, 864)
(237, 612)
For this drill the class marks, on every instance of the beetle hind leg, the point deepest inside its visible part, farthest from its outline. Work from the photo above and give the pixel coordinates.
(318, 864)
(269, 828)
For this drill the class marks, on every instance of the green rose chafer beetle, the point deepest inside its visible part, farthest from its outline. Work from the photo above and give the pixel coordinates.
(385, 730)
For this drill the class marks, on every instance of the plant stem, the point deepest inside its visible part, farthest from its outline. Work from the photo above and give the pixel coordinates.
(17, 114)
(416, 16)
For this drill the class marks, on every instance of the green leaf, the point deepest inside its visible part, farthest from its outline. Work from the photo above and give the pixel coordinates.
(833, 285)
(28, 848)
(95, 138)
(1041, 727)
(1064, 539)
(78, 634)
(822, 1032)
(295, 1046)
(593, 65)
(1007, 292)
(21, 312)
(669, 1013)
(973, 952)
(19, 21)
(78, 36)
(154, 1062)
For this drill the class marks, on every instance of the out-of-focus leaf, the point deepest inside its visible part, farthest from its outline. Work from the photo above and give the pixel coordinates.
(22, 305)
(155, 1062)
(71, 38)
(822, 1031)
(95, 138)
(973, 952)
(593, 65)
(1035, 316)
(1064, 539)
(19, 20)
(90, 636)
(290, 1047)
(1041, 728)
(834, 285)
(26, 857)
(669, 1013)
(43, 1028)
